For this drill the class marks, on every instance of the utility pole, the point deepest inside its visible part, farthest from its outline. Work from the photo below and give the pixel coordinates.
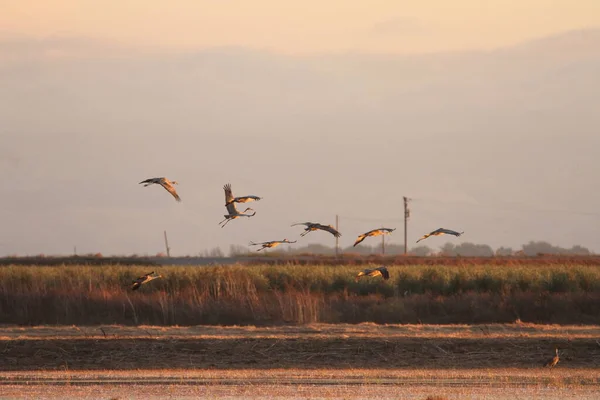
(406, 216)
(167, 245)
(383, 245)
(337, 228)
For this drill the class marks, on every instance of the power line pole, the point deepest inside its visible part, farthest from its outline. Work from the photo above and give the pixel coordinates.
(167, 245)
(337, 228)
(383, 245)
(406, 216)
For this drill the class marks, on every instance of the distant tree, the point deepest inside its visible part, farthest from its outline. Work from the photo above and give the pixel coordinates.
(466, 249)
(580, 251)
(504, 251)
(533, 248)
(237, 250)
(474, 250)
(394, 249)
(363, 249)
(215, 252)
(447, 250)
(420, 251)
(316, 248)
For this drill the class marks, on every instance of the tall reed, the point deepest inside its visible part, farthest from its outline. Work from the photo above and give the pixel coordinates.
(263, 294)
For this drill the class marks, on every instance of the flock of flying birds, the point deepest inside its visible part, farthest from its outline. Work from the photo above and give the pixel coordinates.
(234, 213)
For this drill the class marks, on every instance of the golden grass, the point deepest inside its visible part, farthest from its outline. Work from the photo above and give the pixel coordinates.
(275, 295)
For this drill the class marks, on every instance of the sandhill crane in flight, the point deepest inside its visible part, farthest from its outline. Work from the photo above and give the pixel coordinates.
(229, 204)
(380, 271)
(374, 232)
(439, 232)
(144, 279)
(271, 244)
(551, 363)
(164, 182)
(312, 226)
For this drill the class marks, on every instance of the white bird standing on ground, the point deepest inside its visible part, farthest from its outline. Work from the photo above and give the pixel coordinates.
(164, 182)
(380, 271)
(439, 232)
(233, 212)
(271, 244)
(374, 232)
(312, 226)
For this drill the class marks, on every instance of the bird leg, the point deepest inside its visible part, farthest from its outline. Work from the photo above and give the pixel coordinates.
(225, 220)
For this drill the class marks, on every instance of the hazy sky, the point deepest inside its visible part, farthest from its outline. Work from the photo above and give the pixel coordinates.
(502, 144)
(301, 26)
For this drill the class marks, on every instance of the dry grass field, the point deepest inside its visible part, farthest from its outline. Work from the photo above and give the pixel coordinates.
(281, 331)
(299, 294)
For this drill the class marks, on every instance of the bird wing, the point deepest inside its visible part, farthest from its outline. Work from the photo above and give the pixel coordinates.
(384, 272)
(425, 236)
(449, 232)
(170, 189)
(261, 244)
(145, 276)
(304, 223)
(151, 180)
(374, 272)
(360, 239)
(245, 199)
(362, 273)
(329, 229)
(228, 194)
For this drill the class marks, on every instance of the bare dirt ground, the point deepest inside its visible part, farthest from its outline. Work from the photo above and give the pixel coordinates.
(312, 361)
(311, 346)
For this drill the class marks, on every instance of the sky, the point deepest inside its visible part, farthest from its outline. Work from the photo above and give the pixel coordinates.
(301, 26)
(484, 113)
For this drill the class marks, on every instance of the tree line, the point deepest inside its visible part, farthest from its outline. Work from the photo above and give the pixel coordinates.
(467, 249)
